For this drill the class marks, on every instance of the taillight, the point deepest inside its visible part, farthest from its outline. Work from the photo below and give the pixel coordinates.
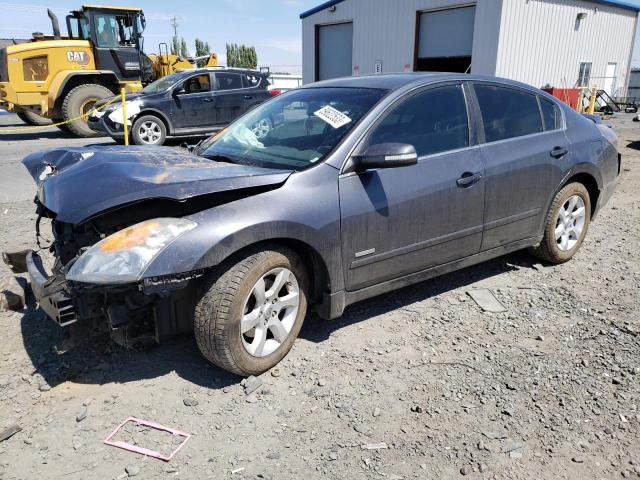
(274, 92)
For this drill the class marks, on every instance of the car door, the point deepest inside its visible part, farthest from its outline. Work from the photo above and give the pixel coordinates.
(523, 155)
(397, 221)
(230, 97)
(193, 103)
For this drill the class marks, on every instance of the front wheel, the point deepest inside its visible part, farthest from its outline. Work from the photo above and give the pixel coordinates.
(249, 316)
(77, 106)
(148, 130)
(566, 225)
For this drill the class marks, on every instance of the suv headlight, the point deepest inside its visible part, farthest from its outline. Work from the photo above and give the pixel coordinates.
(124, 256)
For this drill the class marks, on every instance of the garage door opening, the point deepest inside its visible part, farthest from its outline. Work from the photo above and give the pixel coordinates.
(334, 50)
(444, 40)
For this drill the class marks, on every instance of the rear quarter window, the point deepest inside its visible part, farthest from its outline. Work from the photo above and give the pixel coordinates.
(551, 115)
(507, 113)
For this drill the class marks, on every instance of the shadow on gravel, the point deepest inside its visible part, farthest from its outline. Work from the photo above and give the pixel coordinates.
(318, 330)
(101, 361)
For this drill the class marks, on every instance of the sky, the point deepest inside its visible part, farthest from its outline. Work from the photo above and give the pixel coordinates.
(272, 26)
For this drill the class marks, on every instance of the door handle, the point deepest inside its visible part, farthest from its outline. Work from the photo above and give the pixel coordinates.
(248, 97)
(558, 152)
(210, 99)
(468, 178)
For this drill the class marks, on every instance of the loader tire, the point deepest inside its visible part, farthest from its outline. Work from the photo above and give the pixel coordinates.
(79, 101)
(33, 119)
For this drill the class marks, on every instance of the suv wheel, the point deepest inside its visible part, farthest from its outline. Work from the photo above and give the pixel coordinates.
(567, 223)
(149, 130)
(250, 315)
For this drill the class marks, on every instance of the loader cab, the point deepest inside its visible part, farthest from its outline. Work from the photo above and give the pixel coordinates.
(116, 36)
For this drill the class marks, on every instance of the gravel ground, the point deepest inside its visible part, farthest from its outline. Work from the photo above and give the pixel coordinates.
(419, 383)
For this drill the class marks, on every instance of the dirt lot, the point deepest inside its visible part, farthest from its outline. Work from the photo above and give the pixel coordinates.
(419, 383)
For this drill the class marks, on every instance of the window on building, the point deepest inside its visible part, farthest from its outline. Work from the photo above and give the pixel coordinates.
(550, 115)
(584, 74)
(229, 81)
(198, 84)
(432, 121)
(507, 113)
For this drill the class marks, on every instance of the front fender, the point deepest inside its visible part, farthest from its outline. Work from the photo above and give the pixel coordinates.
(304, 209)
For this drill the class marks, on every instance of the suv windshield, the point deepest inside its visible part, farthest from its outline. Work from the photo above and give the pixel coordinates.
(162, 84)
(294, 130)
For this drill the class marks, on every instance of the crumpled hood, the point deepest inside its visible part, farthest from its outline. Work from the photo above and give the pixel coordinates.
(78, 183)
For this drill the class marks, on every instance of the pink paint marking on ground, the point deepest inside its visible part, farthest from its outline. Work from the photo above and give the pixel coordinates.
(144, 451)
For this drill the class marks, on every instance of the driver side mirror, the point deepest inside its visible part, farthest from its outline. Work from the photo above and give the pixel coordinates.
(386, 155)
(178, 91)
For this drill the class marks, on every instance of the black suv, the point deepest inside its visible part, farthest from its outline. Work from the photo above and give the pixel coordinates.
(192, 102)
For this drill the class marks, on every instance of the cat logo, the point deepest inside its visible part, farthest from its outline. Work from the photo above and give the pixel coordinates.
(81, 58)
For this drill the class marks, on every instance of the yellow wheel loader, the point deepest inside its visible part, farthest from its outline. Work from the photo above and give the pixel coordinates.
(56, 78)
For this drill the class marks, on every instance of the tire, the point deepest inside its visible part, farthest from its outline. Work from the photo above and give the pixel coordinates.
(230, 296)
(553, 249)
(79, 101)
(33, 119)
(148, 130)
(63, 128)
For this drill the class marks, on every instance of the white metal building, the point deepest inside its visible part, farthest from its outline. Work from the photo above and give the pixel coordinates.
(561, 43)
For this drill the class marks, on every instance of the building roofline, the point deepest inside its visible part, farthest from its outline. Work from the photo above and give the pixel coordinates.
(612, 3)
(320, 7)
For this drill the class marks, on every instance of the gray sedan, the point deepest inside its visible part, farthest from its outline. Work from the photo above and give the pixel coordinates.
(362, 185)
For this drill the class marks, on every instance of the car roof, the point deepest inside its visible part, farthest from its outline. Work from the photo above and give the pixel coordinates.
(223, 69)
(393, 81)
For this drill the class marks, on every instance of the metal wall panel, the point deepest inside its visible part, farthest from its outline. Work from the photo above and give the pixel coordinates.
(384, 33)
(542, 42)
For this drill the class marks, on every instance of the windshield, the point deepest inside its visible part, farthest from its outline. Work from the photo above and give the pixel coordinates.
(294, 130)
(162, 84)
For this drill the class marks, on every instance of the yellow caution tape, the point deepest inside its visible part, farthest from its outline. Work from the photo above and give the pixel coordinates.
(40, 127)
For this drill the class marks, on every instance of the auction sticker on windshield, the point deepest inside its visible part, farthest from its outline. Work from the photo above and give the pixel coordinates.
(333, 117)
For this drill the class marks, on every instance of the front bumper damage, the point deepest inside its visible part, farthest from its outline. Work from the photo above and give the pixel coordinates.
(133, 314)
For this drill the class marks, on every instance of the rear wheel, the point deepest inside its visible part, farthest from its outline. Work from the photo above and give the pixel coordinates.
(567, 224)
(250, 315)
(80, 101)
(34, 119)
(149, 130)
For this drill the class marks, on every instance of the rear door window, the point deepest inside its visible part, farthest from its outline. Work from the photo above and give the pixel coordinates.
(507, 113)
(229, 81)
(433, 121)
(550, 115)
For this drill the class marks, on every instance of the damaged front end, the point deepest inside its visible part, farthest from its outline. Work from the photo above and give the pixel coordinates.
(101, 289)
(112, 212)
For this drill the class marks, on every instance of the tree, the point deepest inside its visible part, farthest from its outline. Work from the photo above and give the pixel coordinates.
(202, 48)
(184, 52)
(175, 45)
(241, 56)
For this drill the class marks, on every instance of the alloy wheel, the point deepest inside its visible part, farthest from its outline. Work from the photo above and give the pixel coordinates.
(570, 222)
(149, 132)
(270, 312)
